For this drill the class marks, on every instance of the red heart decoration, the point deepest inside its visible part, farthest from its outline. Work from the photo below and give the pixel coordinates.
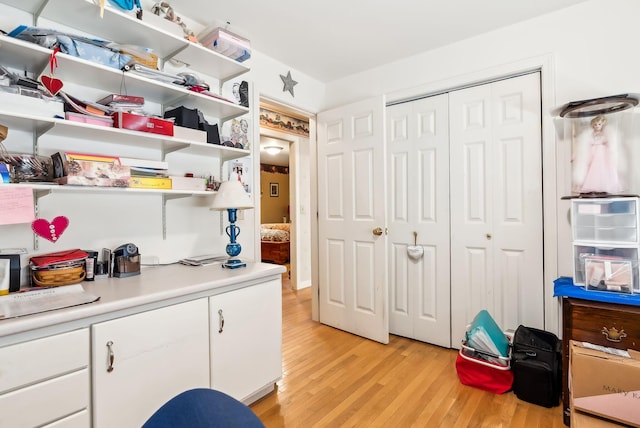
(51, 231)
(52, 84)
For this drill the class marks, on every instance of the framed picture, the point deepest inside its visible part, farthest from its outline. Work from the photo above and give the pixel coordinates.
(274, 190)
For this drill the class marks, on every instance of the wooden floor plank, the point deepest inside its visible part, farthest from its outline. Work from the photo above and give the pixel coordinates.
(335, 379)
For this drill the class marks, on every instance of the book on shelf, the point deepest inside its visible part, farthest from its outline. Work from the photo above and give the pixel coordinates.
(149, 182)
(71, 156)
(117, 99)
(144, 163)
(148, 172)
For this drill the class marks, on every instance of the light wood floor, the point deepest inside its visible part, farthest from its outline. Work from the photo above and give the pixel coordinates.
(336, 379)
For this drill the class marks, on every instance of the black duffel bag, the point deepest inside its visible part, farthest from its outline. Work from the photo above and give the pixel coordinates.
(537, 366)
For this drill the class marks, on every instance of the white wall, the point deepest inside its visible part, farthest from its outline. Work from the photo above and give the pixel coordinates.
(592, 47)
(265, 75)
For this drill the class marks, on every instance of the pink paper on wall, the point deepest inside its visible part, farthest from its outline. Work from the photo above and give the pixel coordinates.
(16, 205)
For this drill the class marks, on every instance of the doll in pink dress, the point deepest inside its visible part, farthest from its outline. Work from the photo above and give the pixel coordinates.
(596, 168)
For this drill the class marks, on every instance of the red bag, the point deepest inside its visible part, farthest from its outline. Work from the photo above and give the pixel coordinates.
(483, 374)
(60, 257)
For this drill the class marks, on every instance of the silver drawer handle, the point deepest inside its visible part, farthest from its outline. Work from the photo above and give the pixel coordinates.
(110, 357)
(220, 321)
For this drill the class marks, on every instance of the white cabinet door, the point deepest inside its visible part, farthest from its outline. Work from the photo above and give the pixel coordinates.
(141, 361)
(246, 340)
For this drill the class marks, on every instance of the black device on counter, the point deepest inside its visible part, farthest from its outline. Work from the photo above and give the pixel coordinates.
(126, 261)
(14, 271)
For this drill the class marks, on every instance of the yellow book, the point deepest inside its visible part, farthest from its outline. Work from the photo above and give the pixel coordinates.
(150, 182)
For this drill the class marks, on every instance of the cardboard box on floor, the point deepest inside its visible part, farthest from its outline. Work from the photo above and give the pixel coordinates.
(605, 385)
(585, 420)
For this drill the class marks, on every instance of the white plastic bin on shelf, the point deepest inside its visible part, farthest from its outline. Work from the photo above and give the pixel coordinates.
(604, 274)
(582, 252)
(605, 220)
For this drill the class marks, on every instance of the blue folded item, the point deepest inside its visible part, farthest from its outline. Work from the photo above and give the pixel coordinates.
(94, 50)
(485, 335)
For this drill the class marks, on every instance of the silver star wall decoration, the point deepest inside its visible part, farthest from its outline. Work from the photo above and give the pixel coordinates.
(289, 83)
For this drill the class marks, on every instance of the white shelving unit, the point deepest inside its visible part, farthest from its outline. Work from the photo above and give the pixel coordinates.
(125, 28)
(606, 229)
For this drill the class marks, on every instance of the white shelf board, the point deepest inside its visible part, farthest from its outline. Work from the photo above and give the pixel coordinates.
(79, 130)
(23, 55)
(96, 189)
(210, 62)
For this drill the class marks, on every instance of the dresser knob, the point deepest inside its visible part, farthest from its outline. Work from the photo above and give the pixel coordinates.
(613, 335)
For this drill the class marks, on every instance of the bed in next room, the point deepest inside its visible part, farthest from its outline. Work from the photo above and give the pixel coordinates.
(274, 239)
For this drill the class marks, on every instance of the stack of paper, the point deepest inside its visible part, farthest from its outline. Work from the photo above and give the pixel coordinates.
(148, 174)
(204, 260)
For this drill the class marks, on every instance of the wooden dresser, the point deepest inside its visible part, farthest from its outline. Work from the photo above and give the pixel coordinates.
(607, 324)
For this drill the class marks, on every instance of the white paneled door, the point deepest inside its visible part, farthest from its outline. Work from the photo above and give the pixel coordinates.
(418, 214)
(496, 204)
(351, 219)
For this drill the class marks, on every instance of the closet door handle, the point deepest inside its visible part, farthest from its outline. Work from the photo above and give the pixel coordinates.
(377, 231)
(111, 357)
(220, 321)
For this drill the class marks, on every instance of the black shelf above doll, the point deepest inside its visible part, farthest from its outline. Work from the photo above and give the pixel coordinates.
(600, 133)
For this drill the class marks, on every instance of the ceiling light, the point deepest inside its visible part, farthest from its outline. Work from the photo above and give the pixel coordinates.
(273, 150)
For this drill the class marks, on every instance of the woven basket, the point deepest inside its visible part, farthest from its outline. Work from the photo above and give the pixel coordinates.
(58, 277)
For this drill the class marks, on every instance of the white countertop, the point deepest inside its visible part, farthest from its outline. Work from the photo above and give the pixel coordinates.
(158, 286)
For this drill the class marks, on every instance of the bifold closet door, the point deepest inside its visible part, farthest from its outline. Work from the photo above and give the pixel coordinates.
(496, 204)
(418, 202)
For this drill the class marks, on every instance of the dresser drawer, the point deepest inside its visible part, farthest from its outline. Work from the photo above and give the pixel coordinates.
(46, 401)
(36, 360)
(597, 323)
(615, 326)
(77, 420)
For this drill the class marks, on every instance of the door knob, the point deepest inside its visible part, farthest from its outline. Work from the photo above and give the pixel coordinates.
(377, 231)
(488, 236)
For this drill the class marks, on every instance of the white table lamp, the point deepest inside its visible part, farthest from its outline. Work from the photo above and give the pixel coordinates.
(231, 196)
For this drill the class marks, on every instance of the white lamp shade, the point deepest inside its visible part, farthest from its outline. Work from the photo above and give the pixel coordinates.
(231, 194)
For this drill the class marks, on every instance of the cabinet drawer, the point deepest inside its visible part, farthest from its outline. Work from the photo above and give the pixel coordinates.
(46, 401)
(612, 220)
(593, 322)
(78, 420)
(583, 251)
(36, 360)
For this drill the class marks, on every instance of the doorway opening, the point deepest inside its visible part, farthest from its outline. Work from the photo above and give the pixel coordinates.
(285, 191)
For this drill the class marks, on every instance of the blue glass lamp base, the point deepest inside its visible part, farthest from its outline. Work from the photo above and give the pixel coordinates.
(234, 264)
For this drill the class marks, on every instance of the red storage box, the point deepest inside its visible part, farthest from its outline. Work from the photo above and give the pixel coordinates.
(137, 122)
(474, 371)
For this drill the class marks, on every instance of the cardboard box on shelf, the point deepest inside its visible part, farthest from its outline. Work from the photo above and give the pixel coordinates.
(91, 120)
(150, 182)
(188, 183)
(90, 173)
(190, 134)
(136, 122)
(604, 384)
